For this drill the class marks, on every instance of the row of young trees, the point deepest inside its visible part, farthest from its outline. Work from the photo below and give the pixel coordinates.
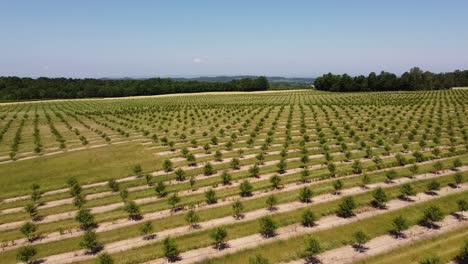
(15, 88)
(413, 80)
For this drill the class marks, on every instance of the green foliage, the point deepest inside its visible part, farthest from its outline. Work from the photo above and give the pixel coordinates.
(85, 218)
(104, 258)
(89, 241)
(53, 88)
(237, 208)
(346, 207)
(219, 236)
(308, 218)
(170, 249)
(267, 226)
(26, 254)
(246, 188)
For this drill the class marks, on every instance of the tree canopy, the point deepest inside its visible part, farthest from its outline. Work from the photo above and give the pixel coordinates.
(16, 88)
(413, 80)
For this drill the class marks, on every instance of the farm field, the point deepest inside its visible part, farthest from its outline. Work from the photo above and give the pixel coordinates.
(296, 176)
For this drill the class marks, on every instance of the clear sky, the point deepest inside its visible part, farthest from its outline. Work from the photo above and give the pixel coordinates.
(100, 38)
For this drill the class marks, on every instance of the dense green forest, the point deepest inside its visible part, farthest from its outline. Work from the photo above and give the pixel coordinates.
(415, 79)
(15, 88)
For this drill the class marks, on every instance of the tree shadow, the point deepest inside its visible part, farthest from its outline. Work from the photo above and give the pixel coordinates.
(150, 237)
(222, 246)
(312, 260)
(360, 248)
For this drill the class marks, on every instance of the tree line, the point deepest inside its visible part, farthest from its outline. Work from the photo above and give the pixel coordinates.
(16, 88)
(413, 80)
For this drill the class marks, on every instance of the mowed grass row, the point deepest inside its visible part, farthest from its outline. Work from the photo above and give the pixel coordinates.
(293, 248)
(283, 219)
(203, 181)
(199, 198)
(446, 247)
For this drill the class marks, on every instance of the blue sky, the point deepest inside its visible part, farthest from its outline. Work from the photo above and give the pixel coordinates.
(218, 37)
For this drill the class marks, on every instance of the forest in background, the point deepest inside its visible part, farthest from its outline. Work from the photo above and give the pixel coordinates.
(15, 88)
(412, 80)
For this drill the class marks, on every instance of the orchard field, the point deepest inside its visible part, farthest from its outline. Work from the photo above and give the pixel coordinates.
(263, 177)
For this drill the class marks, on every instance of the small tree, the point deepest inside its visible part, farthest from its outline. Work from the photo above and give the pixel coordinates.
(31, 209)
(432, 187)
(85, 218)
(462, 257)
(167, 165)
(463, 207)
(365, 181)
(399, 224)
(305, 175)
(149, 179)
(160, 189)
(275, 181)
(267, 226)
(406, 190)
(391, 175)
(258, 259)
(29, 230)
(137, 170)
(305, 195)
(458, 178)
(180, 174)
(281, 166)
(431, 215)
(113, 185)
(219, 236)
(414, 169)
(192, 182)
(210, 196)
(170, 250)
(90, 242)
(438, 166)
(124, 195)
(357, 167)
(237, 208)
(271, 201)
(254, 171)
(105, 258)
(246, 188)
(146, 230)
(208, 169)
(218, 156)
(360, 238)
(338, 186)
(226, 178)
(235, 164)
(192, 161)
(457, 163)
(36, 193)
(431, 260)
(173, 200)
(308, 218)
(345, 209)
(380, 198)
(133, 210)
(79, 200)
(312, 249)
(332, 169)
(192, 218)
(26, 254)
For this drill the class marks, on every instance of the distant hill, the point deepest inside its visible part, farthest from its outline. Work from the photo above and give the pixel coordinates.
(271, 79)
